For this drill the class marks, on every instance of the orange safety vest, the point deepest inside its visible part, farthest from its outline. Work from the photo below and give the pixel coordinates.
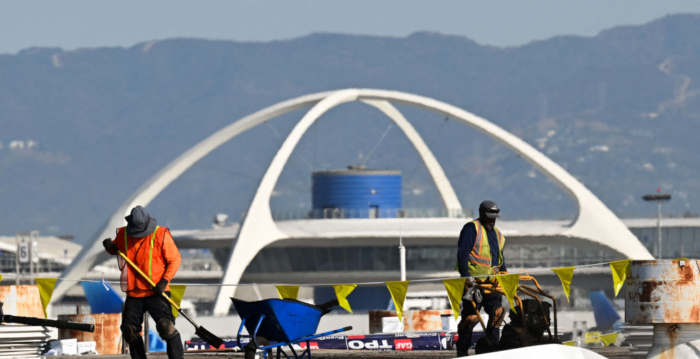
(480, 257)
(155, 255)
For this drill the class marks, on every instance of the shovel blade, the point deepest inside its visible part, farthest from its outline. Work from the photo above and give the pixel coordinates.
(209, 337)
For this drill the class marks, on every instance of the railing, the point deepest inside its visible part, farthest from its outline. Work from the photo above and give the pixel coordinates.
(340, 213)
(8, 264)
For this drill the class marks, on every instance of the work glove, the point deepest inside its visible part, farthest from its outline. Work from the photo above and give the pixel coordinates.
(472, 294)
(160, 287)
(109, 246)
(470, 281)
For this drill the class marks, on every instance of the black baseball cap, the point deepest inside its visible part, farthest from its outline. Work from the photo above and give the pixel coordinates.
(490, 209)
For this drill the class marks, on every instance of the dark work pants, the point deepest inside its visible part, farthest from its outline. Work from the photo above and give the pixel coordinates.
(157, 307)
(490, 303)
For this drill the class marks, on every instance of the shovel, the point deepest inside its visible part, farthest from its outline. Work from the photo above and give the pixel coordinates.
(206, 335)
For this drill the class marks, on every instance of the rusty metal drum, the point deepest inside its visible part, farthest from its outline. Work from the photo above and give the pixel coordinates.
(663, 291)
(107, 335)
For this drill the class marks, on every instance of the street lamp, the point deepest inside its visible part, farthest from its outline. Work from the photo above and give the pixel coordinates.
(659, 198)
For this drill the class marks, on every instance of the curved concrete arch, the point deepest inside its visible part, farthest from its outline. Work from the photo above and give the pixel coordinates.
(258, 229)
(92, 252)
(444, 187)
(595, 222)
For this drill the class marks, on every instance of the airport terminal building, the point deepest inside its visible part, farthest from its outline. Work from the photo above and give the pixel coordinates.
(352, 232)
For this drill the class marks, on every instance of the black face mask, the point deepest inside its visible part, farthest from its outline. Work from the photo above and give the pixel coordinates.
(488, 223)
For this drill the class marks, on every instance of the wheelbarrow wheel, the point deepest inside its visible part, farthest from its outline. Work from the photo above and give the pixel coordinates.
(250, 348)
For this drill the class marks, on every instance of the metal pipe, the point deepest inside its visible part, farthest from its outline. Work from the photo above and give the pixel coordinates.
(146, 327)
(658, 229)
(60, 324)
(17, 261)
(402, 254)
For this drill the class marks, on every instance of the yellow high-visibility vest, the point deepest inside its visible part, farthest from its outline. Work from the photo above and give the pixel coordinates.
(480, 256)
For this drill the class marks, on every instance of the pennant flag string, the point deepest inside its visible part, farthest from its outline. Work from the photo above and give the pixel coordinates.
(455, 288)
(619, 273)
(398, 290)
(288, 291)
(177, 291)
(45, 286)
(509, 282)
(609, 339)
(566, 275)
(619, 269)
(341, 292)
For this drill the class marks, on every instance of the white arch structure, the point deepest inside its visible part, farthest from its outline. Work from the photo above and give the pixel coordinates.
(595, 222)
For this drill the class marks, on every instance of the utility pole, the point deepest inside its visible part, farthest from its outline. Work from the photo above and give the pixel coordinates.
(658, 197)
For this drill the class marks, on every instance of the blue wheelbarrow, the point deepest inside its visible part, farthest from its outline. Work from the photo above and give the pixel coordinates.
(284, 322)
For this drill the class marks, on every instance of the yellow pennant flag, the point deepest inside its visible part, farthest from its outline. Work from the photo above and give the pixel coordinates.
(398, 290)
(592, 337)
(177, 291)
(46, 286)
(341, 292)
(455, 288)
(619, 273)
(565, 276)
(609, 339)
(571, 343)
(0, 278)
(509, 282)
(288, 291)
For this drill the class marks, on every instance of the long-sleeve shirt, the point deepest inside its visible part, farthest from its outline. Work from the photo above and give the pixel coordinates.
(467, 239)
(164, 263)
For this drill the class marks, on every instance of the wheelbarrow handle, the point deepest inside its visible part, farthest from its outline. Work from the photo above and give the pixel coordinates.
(257, 327)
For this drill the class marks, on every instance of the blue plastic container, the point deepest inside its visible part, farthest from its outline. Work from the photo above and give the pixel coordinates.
(356, 193)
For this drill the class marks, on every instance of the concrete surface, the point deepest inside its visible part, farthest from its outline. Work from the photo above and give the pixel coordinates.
(608, 352)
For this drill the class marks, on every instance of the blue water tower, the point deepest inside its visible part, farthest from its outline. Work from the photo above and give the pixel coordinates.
(356, 192)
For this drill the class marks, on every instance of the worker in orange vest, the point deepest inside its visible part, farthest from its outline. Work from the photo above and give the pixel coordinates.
(152, 249)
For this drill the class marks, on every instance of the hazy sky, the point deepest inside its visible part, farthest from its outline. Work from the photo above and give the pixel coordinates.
(72, 24)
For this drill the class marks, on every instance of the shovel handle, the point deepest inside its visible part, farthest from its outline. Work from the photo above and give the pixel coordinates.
(481, 321)
(203, 333)
(147, 279)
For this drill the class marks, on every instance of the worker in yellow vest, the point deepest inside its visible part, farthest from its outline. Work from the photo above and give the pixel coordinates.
(480, 254)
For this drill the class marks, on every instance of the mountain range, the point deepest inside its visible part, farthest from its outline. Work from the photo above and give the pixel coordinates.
(83, 129)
